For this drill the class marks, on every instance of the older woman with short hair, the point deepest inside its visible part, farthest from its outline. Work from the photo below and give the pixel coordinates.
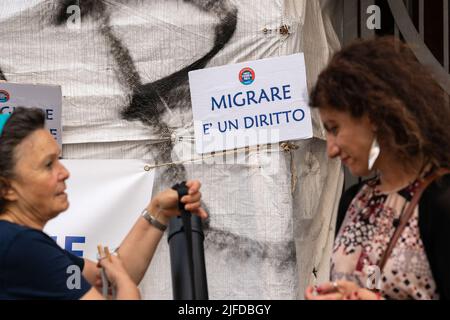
(32, 192)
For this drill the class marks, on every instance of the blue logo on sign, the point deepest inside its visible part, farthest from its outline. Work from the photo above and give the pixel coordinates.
(247, 76)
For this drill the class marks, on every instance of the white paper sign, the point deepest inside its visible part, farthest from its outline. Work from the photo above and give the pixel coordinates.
(106, 198)
(256, 102)
(45, 97)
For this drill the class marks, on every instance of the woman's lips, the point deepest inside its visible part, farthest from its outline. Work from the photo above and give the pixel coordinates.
(63, 192)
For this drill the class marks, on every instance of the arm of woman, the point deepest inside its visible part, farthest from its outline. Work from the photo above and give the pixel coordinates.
(92, 294)
(139, 246)
(90, 271)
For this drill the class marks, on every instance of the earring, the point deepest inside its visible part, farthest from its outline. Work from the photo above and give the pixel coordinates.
(374, 153)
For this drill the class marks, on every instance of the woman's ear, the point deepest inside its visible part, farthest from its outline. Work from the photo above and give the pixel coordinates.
(6, 190)
(369, 123)
(374, 127)
(3, 187)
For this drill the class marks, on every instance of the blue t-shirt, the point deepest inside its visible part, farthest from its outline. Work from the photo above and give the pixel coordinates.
(33, 266)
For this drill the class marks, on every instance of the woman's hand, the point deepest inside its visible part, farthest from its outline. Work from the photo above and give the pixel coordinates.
(115, 270)
(364, 294)
(341, 290)
(165, 204)
(119, 278)
(338, 290)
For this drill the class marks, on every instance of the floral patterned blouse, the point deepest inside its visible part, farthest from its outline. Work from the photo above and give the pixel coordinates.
(369, 224)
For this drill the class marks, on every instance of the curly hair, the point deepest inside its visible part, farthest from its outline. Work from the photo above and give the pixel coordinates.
(381, 78)
(22, 123)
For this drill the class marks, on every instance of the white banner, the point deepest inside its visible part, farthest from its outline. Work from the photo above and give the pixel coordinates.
(45, 97)
(251, 103)
(106, 198)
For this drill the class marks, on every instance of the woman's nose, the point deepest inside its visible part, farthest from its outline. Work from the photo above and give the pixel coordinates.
(64, 173)
(332, 148)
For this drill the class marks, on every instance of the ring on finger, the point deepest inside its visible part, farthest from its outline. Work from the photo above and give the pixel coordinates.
(335, 286)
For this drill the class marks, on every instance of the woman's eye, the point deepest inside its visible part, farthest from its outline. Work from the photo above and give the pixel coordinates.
(333, 130)
(49, 164)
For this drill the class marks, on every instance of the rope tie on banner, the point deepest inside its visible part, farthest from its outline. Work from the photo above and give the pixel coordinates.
(285, 147)
(149, 167)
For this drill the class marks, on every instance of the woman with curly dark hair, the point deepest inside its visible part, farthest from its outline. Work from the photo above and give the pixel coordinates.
(385, 114)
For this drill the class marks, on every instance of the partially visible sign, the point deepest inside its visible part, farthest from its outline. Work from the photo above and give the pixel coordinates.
(106, 198)
(256, 102)
(45, 97)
